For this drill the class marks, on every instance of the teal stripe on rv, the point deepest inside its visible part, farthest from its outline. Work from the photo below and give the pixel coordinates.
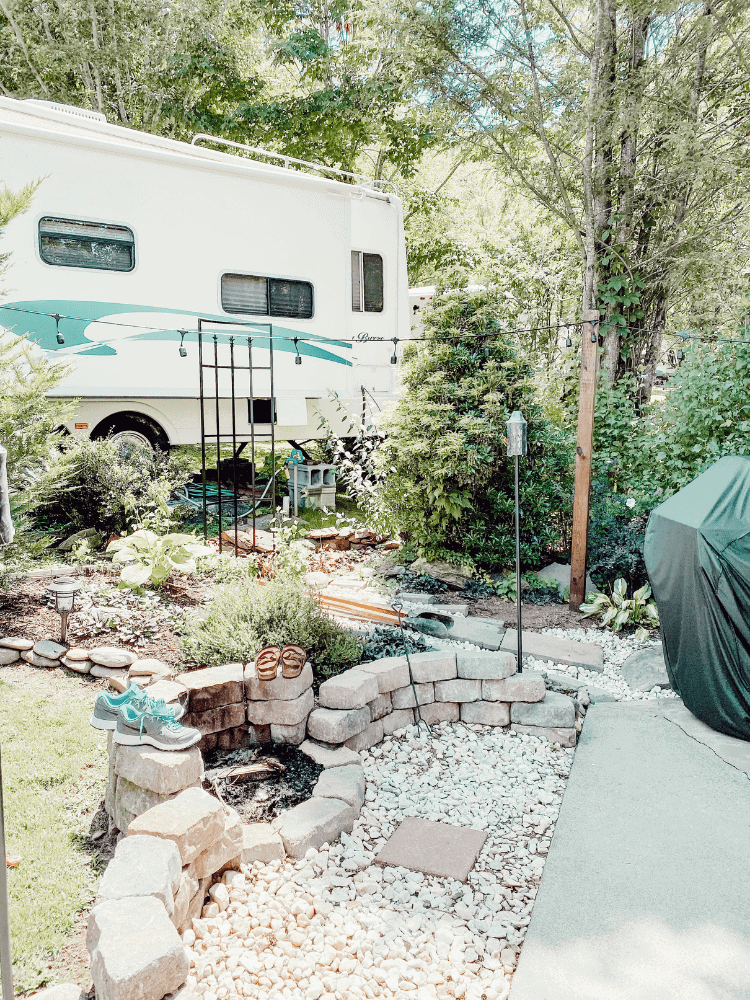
(43, 330)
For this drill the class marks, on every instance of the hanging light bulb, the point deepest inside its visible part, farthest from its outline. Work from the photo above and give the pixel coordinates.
(568, 341)
(394, 359)
(680, 354)
(183, 349)
(298, 358)
(60, 338)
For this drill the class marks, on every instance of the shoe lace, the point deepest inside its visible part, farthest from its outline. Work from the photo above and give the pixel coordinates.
(154, 706)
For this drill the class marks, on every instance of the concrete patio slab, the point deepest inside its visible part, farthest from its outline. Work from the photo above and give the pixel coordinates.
(646, 890)
(422, 845)
(588, 655)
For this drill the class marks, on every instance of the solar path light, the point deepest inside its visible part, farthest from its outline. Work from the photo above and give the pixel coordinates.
(64, 590)
(516, 430)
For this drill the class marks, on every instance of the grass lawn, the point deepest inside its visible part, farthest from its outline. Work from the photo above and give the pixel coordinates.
(54, 771)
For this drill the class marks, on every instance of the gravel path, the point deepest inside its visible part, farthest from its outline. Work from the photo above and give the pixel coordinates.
(335, 926)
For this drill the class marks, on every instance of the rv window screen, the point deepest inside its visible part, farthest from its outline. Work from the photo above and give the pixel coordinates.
(367, 282)
(86, 244)
(247, 293)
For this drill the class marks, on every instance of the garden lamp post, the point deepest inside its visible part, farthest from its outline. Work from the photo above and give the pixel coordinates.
(516, 430)
(64, 590)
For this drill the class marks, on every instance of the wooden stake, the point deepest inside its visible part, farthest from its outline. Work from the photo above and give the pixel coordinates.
(589, 357)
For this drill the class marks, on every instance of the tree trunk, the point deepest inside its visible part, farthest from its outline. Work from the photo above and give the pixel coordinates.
(653, 350)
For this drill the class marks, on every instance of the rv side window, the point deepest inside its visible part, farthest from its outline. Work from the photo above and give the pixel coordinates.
(248, 293)
(367, 282)
(68, 243)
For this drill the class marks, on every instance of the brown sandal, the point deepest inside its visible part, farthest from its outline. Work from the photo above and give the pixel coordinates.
(293, 659)
(267, 662)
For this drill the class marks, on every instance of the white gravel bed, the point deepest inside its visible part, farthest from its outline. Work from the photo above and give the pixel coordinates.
(616, 650)
(333, 926)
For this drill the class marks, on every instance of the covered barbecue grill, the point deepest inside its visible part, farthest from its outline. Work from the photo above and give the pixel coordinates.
(697, 553)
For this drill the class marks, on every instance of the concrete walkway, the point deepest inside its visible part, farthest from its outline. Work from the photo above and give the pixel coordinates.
(646, 890)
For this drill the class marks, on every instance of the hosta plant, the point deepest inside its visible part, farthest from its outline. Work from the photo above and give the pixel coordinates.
(150, 558)
(620, 610)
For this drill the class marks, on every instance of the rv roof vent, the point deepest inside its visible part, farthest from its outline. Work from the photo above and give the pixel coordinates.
(69, 109)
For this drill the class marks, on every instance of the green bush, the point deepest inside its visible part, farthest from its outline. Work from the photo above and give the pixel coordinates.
(244, 617)
(107, 486)
(450, 483)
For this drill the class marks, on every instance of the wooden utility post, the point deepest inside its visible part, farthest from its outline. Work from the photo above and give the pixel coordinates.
(589, 357)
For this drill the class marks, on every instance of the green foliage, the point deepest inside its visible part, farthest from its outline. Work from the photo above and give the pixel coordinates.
(244, 617)
(617, 528)
(226, 568)
(110, 487)
(450, 484)
(150, 558)
(620, 610)
(421, 583)
(383, 641)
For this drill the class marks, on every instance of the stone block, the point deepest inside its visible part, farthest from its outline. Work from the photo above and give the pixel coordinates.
(404, 697)
(350, 689)
(8, 656)
(643, 670)
(597, 695)
(437, 666)
(566, 737)
(187, 888)
(330, 725)
(36, 660)
(313, 823)
(148, 667)
(195, 906)
(556, 711)
(414, 598)
(281, 713)
(79, 666)
(293, 735)
(194, 820)
(391, 672)
(109, 791)
(171, 692)
(327, 757)
(367, 738)
(135, 950)
(131, 800)
(452, 609)
(398, 719)
(214, 687)
(216, 719)
(226, 847)
(161, 771)
(345, 783)
(260, 842)
(280, 688)
(111, 656)
(231, 739)
(488, 635)
(143, 866)
(459, 690)
(485, 713)
(548, 647)
(528, 686)
(380, 706)
(444, 711)
(108, 673)
(16, 642)
(62, 991)
(208, 742)
(258, 734)
(484, 664)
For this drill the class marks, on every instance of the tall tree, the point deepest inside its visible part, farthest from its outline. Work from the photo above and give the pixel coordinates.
(625, 119)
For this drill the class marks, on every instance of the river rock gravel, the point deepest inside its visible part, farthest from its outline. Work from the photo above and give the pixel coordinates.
(334, 925)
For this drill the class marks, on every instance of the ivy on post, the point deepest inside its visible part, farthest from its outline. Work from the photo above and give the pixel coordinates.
(589, 357)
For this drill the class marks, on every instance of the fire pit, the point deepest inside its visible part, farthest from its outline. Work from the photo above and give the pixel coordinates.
(261, 782)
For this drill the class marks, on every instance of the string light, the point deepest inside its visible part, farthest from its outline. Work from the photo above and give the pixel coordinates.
(183, 349)
(60, 338)
(394, 359)
(298, 357)
(568, 341)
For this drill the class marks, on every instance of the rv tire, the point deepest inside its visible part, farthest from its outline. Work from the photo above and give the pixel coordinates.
(133, 428)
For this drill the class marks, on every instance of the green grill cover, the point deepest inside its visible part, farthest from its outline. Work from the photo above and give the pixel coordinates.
(697, 553)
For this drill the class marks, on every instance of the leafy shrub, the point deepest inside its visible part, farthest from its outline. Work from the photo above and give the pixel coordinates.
(110, 487)
(615, 541)
(354, 452)
(619, 610)
(421, 583)
(384, 641)
(150, 558)
(244, 617)
(449, 483)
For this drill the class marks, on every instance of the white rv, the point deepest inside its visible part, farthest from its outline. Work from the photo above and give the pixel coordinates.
(132, 238)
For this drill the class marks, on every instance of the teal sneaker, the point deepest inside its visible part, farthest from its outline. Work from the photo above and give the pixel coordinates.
(138, 728)
(107, 706)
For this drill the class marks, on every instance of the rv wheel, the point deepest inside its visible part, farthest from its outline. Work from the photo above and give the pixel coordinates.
(129, 429)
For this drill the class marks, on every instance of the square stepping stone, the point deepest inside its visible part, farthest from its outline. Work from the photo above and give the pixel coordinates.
(422, 845)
